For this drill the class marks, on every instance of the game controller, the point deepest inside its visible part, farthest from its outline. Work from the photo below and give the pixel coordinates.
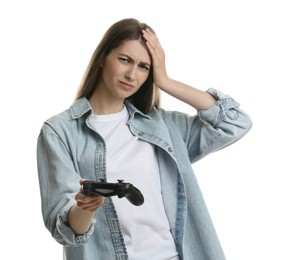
(121, 189)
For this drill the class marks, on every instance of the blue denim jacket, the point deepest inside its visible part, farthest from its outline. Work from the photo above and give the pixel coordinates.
(68, 150)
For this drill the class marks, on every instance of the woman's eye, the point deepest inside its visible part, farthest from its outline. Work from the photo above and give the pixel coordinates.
(124, 59)
(144, 67)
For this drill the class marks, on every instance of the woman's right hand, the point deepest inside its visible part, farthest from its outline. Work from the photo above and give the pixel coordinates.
(88, 203)
(81, 214)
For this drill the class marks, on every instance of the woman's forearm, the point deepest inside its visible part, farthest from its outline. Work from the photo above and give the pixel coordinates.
(79, 220)
(192, 96)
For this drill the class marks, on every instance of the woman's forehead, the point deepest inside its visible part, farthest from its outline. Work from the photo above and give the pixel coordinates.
(134, 49)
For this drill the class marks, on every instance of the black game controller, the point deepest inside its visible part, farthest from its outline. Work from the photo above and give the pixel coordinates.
(121, 189)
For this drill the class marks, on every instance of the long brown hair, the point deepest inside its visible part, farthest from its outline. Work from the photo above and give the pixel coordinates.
(148, 96)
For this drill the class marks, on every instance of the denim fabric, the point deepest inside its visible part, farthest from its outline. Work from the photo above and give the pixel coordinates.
(68, 150)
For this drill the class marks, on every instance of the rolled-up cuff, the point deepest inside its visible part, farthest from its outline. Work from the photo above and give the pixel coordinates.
(68, 235)
(222, 108)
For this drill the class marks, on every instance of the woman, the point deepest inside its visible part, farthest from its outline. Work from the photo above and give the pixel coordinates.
(116, 130)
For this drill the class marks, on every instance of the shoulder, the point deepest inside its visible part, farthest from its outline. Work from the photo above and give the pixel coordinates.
(170, 116)
(65, 120)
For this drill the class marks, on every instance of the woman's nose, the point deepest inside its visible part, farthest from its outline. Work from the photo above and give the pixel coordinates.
(131, 73)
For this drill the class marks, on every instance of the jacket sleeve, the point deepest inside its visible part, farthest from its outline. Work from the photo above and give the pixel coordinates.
(215, 128)
(59, 183)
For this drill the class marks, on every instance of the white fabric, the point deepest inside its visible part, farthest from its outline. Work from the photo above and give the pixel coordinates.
(145, 228)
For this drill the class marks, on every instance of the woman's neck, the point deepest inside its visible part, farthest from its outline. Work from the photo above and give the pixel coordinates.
(103, 105)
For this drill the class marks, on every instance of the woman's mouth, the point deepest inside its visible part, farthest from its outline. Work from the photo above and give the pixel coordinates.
(126, 86)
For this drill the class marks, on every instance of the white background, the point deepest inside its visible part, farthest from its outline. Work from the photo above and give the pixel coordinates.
(239, 47)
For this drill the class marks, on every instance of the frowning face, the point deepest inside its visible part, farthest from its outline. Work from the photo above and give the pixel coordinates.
(125, 70)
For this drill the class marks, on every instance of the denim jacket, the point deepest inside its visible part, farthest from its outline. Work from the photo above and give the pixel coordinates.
(67, 150)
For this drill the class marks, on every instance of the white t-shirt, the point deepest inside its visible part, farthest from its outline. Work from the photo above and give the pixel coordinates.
(145, 228)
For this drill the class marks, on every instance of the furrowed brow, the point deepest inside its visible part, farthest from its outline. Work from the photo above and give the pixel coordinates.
(131, 59)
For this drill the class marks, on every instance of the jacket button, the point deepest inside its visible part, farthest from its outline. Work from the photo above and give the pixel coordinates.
(140, 133)
(170, 150)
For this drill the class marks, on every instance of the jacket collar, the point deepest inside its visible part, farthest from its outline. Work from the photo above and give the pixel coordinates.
(82, 106)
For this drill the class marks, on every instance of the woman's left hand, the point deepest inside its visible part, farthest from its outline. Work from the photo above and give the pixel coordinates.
(158, 58)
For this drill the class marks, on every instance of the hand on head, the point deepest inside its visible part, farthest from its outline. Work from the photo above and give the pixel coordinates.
(158, 57)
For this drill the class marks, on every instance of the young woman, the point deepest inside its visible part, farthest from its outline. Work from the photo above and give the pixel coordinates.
(115, 130)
